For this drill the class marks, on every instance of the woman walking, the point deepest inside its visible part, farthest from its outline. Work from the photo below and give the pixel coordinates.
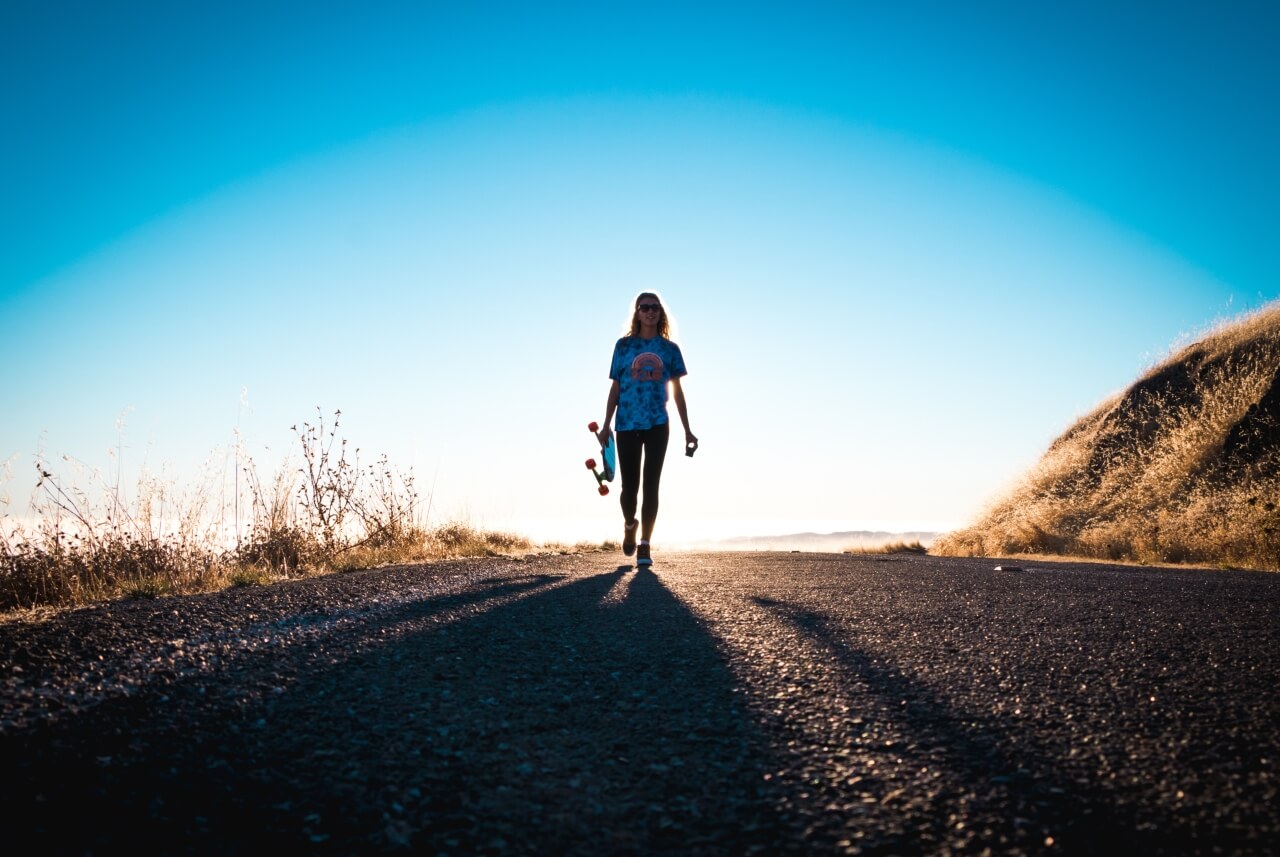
(645, 363)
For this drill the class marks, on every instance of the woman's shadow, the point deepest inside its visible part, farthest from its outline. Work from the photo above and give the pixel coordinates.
(596, 716)
(570, 716)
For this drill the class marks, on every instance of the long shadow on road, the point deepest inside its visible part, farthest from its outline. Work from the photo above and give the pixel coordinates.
(1000, 780)
(593, 716)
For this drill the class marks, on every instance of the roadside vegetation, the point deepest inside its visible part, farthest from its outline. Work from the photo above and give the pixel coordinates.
(888, 548)
(320, 513)
(1182, 467)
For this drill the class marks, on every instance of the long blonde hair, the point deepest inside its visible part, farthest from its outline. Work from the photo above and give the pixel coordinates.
(664, 323)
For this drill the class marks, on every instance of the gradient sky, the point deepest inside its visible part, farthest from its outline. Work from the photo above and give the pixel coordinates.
(905, 244)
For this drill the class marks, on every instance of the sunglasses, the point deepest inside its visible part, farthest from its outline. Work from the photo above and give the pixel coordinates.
(649, 307)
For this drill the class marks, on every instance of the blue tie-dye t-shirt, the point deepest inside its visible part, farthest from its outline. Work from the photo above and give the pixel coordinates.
(642, 368)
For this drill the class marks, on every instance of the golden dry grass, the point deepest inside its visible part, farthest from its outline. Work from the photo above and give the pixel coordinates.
(89, 543)
(1183, 467)
(39, 572)
(889, 548)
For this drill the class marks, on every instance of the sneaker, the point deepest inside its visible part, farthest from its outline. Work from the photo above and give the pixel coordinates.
(642, 554)
(629, 538)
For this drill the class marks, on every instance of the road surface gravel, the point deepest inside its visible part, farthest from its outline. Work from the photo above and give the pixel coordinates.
(722, 703)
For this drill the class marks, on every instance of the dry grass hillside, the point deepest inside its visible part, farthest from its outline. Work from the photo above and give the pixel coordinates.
(1184, 466)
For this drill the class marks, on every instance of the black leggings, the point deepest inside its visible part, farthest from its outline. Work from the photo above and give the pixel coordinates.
(652, 442)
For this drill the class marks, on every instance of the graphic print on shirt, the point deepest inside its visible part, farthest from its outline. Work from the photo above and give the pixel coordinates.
(643, 368)
(646, 367)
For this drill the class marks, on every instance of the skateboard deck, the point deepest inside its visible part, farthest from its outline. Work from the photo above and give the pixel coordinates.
(609, 461)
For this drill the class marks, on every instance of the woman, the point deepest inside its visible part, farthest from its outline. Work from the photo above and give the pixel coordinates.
(644, 363)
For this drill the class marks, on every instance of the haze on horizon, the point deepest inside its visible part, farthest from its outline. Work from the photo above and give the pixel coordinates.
(904, 247)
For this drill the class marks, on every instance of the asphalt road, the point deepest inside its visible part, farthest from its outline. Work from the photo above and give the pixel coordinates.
(730, 703)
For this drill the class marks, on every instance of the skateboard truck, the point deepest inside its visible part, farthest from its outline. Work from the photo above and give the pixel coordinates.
(608, 453)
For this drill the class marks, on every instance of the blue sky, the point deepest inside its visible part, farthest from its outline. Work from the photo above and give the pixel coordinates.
(905, 244)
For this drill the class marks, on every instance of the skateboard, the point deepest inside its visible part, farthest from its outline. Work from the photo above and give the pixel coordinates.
(609, 456)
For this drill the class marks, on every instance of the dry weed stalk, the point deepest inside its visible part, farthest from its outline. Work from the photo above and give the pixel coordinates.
(328, 514)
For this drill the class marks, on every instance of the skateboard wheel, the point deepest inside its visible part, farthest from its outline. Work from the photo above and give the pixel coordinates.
(593, 427)
(604, 489)
(591, 464)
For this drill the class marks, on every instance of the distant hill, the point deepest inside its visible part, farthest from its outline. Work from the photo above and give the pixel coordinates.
(1183, 466)
(819, 542)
